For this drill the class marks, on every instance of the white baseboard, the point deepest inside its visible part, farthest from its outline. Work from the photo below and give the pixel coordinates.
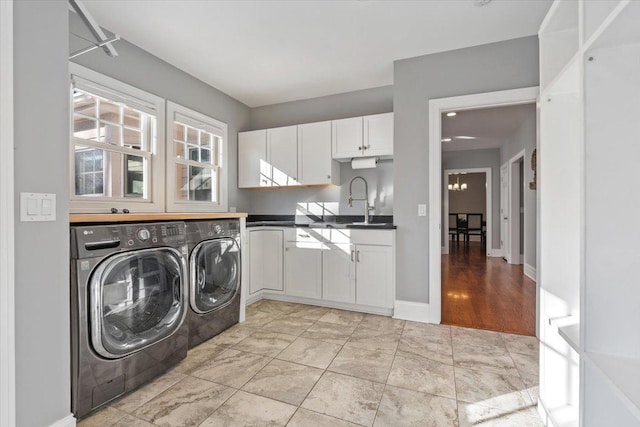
(530, 272)
(496, 253)
(414, 311)
(264, 294)
(68, 421)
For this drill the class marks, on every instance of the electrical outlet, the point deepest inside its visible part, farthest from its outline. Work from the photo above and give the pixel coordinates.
(422, 210)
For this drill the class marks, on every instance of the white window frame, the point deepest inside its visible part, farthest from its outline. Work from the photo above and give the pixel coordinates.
(117, 91)
(176, 112)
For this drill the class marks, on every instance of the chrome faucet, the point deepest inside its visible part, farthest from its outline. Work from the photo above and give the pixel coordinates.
(367, 207)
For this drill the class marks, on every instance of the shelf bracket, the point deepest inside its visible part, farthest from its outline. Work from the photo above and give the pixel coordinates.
(95, 29)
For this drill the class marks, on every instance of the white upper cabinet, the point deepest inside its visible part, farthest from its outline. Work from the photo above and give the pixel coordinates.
(268, 158)
(315, 165)
(378, 135)
(283, 155)
(287, 156)
(252, 159)
(347, 138)
(366, 136)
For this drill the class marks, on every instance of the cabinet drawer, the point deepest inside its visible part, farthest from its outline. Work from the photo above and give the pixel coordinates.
(372, 237)
(303, 235)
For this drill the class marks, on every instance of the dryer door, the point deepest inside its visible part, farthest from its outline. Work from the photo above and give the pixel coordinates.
(136, 299)
(215, 274)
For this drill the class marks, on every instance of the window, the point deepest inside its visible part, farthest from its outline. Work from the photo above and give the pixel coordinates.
(196, 161)
(117, 145)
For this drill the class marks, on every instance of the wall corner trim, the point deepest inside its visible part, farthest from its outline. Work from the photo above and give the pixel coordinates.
(68, 421)
(530, 272)
(414, 311)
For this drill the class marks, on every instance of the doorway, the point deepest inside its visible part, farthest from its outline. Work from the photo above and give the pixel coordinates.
(467, 191)
(488, 265)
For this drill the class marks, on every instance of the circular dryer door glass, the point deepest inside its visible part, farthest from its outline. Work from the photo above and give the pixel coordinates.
(215, 274)
(137, 300)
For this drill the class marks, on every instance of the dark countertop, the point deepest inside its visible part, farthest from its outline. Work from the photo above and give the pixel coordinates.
(379, 222)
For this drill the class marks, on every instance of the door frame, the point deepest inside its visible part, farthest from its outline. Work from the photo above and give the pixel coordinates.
(7, 249)
(436, 108)
(488, 201)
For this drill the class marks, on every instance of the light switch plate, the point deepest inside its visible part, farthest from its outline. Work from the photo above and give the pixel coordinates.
(37, 207)
(422, 210)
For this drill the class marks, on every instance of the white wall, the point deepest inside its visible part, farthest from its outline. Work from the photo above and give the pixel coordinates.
(41, 102)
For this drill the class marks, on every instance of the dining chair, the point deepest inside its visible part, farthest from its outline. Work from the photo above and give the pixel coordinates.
(475, 228)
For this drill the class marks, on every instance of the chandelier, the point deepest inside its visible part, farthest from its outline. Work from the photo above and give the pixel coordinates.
(456, 186)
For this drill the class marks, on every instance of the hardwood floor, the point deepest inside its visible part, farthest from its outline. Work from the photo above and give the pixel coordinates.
(486, 293)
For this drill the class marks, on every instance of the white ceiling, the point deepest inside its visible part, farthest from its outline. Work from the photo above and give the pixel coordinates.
(490, 126)
(266, 52)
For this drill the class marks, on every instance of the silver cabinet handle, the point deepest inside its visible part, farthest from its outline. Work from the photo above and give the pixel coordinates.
(328, 176)
(357, 256)
(303, 235)
(359, 148)
(352, 251)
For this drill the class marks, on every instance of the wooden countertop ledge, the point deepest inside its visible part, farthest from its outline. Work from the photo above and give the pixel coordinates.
(114, 218)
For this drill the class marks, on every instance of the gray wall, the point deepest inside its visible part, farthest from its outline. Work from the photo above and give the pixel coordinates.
(498, 66)
(525, 139)
(351, 104)
(480, 159)
(473, 199)
(139, 68)
(41, 102)
(285, 201)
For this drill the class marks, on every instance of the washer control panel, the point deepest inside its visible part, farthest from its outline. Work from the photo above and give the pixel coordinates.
(99, 239)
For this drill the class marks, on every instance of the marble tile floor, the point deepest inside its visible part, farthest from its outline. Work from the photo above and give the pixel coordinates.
(300, 365)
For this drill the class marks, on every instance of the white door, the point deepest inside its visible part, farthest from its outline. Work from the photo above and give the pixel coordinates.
(338, 275)
(347, 138)
(374, 276)
(303, 269)
(283, 155)
(253, 167)
(314, 153)
(504, 210)
(378, 135)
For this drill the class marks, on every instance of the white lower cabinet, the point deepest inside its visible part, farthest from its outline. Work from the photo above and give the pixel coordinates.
(374, 275)
(266, 263)
(351, 267)
(303, 270)
(338, 273)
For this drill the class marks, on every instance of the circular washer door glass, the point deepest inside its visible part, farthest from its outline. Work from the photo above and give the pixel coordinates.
(215, 274)
(137, 299)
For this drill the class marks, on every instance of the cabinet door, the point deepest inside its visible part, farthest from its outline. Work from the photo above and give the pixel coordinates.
(314, 153)
(272, 256)
(338, 275)
(253, 168)
(283, 155)
(303, 270)
(256, 261)
(378, 135)
(347, 138)
(265, 260)
(374, 276)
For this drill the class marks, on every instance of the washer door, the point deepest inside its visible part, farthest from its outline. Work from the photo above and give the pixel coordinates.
(215, 274)
(136, 299)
